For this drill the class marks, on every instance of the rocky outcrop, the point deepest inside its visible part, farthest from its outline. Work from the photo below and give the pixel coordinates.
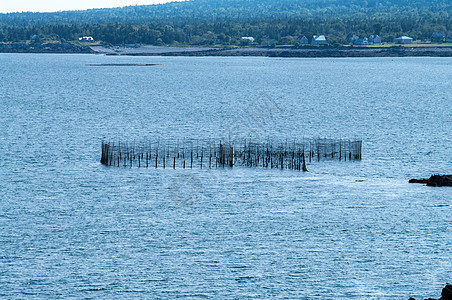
(440, 180)
(435, 180)
(446, 294)
(44, 48)
(423, 180)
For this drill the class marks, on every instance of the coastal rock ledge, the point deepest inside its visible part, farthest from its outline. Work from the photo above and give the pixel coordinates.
(446, 293)
(435, 180)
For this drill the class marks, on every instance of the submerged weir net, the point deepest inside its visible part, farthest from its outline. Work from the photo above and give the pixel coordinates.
(220, 154)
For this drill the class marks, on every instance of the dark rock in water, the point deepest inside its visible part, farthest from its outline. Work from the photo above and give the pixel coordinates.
(440, 180)
(423, 180)
(435, 180)
(446, 294)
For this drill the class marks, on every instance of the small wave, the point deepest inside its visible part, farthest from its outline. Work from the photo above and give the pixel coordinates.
(93, 289)
(239, 267)
(242, 278)
(155, 280)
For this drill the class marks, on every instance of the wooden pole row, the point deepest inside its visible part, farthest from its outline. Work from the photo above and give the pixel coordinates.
(193, 154)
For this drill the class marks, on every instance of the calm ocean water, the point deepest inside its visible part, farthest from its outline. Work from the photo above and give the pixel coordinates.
(72, 228)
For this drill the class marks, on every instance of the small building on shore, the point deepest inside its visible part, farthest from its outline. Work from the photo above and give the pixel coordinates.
(302, 40)
(319, 40)
(403, 40)
(247, 38)
(268, 42)
(353, 38)
(374, 39)
(362, 41)
(86, 39)
(438, 36)
(449, 37)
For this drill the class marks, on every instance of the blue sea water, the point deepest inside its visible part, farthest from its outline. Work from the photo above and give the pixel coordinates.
(72, 228)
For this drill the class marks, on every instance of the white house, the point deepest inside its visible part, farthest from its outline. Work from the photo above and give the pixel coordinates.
(86, 39)
(303, 40)
(319, 40)
(249, 38)
(403, 40)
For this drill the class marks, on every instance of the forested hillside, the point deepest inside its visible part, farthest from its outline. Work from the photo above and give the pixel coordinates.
(209, 22)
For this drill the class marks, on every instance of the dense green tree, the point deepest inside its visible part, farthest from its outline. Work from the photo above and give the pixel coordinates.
(206, 22)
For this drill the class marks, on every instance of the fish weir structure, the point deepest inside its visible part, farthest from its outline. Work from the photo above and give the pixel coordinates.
(189, 154)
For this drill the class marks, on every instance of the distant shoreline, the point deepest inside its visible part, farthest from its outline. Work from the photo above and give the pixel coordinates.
(316, 53)
(308, 52)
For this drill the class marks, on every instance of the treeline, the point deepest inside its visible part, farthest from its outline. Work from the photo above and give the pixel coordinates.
(229, 10)
(209, 22)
